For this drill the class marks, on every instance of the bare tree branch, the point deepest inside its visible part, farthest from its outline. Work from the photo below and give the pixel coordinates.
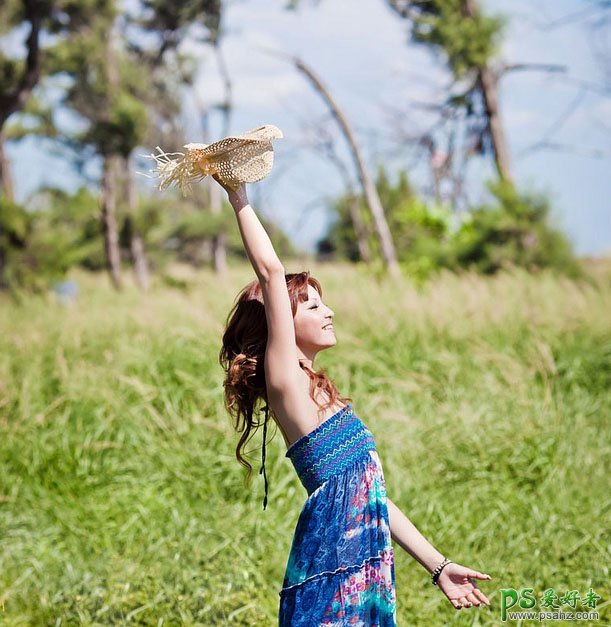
(557, 124)
(369, 189)
(594, 153)
(537, 67)
(576, 16)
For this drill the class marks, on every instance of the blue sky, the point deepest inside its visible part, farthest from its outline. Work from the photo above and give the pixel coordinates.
(362, 53)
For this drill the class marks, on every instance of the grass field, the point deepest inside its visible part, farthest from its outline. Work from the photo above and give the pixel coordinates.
(121, 501)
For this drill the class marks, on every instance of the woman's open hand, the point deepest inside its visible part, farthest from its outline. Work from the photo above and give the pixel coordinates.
(237, 197)
(455, 581)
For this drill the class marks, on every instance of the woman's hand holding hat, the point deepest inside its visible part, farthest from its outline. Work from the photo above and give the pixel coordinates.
(237, 197)
(236, 160)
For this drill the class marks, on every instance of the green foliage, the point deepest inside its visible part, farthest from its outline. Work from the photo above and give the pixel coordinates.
(107, 89)
(14, 223)
(38, 247)
(419, 231)
(36, 118)
(467, 42)
(104, 82)
(59, 21)
(10, 72)
(340, 241)
(59, 230)
(191, 225)
(122, 126)
(169, 19)
(514, 230)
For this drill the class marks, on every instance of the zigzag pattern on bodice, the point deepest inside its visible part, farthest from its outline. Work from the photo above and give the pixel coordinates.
(330, 448)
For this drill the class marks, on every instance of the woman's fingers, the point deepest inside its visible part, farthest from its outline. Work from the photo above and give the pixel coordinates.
(473, 599)
(477, 575)
(481, 596)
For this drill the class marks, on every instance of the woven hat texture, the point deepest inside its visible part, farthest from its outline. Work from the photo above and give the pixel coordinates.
(236, 159)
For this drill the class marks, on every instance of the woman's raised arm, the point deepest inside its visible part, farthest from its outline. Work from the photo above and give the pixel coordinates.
(257, 244)
(282, 370)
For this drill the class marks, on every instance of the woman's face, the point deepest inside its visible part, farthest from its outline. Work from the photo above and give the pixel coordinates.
(314, 323)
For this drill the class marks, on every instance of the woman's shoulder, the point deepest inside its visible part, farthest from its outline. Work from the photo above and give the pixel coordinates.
(297, 414)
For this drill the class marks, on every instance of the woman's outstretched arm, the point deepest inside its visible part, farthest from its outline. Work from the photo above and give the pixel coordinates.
(406, 535)
(454, 579)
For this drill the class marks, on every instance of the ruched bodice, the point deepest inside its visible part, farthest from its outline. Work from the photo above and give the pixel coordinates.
(330, 448)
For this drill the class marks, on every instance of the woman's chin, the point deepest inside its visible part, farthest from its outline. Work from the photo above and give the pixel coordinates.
(328, 343)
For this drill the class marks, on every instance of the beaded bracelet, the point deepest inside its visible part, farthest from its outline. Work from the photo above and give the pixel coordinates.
(437, 571)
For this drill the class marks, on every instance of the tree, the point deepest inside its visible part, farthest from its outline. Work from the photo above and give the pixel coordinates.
(420, 231)
(468, 39)
(117, 88)
(53, 22)
(19, 76)
(107, 91)
(513, 230)
(58, 22)
(374, 205)
(170, 24)
(41, 243)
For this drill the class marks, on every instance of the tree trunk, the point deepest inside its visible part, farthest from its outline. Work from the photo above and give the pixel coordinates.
(217, 249)
(489, 85)
(136, 243)
(359, 229)
(109, 221)
(138, 256)
(219, 252)
(110, 174)
(354, 212)
(219, 240)
(488, 82)
(6, 179)
(12, 101)
(3, 284)
(369, 189)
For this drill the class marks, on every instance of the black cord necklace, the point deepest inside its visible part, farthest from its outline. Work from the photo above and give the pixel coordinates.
(266, 410)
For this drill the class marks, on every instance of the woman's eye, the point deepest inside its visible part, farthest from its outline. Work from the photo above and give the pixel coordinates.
(314, 307)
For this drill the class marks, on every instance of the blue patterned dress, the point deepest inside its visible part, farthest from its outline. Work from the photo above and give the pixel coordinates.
(340, 568)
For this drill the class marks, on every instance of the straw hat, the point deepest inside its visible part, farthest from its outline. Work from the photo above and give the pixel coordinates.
(236, 159)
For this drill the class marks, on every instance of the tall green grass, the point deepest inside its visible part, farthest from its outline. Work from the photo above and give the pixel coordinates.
(121, 501)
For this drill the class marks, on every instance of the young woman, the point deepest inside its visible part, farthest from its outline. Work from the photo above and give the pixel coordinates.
(340, 568)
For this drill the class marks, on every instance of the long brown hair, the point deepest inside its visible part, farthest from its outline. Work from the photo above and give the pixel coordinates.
(242, 357)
